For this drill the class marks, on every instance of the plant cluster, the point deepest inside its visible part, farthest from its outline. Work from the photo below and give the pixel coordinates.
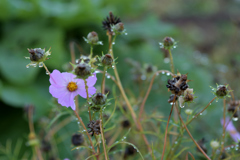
(135, 134)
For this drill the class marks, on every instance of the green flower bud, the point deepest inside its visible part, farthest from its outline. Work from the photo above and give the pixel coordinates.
(92, 37)
(37, 56)
(99, 99)
(188, 111)
(221, 91)
(168, 43)
(214, 144)
(107, 60)
(83, 70)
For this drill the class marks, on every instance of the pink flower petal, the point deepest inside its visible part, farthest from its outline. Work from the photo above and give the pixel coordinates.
(57, 91)
(91, 91)
(69, 77)
(67, 100)
(56, 77)
(82, 91)
(91, 80)
(231, 129)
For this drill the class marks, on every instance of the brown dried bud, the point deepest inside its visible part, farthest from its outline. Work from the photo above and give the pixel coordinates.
(77, 139)
(126, 124)
(94, 127)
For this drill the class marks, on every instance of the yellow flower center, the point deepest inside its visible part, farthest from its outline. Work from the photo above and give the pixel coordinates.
(72, 86)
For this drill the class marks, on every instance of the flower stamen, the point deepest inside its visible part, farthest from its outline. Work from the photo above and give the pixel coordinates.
(72, 86)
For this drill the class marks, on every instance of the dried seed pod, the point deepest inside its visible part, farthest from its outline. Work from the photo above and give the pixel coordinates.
(94, 127)
(110, 21)
(77, 139)
(126, 124)
(178, 84)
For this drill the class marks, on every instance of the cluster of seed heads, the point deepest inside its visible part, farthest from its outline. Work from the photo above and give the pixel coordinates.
(94, 127)
(178, 85)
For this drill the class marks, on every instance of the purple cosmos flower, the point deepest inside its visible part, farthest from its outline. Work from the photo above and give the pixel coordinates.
(231, 130)
(64, 86)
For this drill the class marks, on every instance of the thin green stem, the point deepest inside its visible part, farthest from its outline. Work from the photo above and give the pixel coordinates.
(147, 93)
(102, 135)
(89, 111)
(171, 60)
(166, 130)
(103, 80)
(201, 111)
(80, 120)
(91, 52)
(119, 82)
(213, 154)
(191, 135)
(224, 129)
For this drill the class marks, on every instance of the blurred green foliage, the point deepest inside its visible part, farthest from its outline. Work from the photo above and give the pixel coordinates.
(208, 47)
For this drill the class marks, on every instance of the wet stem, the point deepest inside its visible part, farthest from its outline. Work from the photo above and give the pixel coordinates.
(201, 111)
(80, 120)
(102, 135)
(103, 80)
(166, 130)
(119, 84)
(89, 111)
(171, 60)
(191, 135)
(224, 128)
(91, 52)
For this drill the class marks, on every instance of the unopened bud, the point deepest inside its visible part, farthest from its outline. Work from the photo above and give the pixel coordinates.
(214, 144)
(77, 139)
(221, 91)
(83, 70)
(36, 54)
(107, 60)
(92, 37)
(99, 99)
(188, 111)
(126, 124)
(168, 42)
